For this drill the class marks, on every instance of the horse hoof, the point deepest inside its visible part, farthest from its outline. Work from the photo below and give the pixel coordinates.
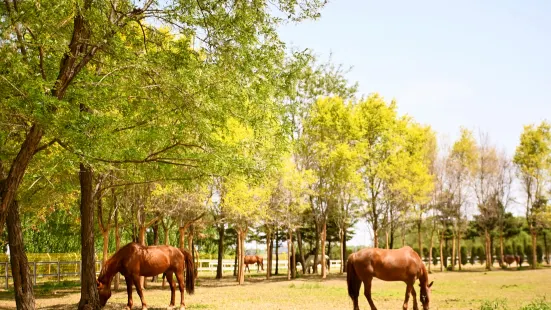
(182, 307)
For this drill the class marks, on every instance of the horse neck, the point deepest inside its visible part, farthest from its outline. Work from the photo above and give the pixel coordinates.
(111, 268)
(424, 277)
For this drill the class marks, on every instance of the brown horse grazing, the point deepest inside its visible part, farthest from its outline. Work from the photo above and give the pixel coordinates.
(389, 265)
(509, 259)
(134, 260)
(254, 259)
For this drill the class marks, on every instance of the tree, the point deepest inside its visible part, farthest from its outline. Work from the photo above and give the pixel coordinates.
(460, 168)
(532, 158)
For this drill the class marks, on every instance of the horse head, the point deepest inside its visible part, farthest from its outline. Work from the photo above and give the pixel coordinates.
(104, 290)
(425, 294)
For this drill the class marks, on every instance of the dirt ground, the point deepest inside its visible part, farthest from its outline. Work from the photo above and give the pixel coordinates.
(451, 290)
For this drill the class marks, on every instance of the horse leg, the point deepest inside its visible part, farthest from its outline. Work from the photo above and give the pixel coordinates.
(139, 290)
(367, 293)
(414, 295)
(170, 279)
(128, 281)
(408, 291)
(180, 277)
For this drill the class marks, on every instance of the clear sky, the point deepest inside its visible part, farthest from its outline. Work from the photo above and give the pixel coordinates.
(484, 65)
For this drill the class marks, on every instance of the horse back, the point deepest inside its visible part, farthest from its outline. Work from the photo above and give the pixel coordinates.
(388, 265)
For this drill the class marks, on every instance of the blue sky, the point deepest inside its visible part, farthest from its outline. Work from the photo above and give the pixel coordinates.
(484, 65)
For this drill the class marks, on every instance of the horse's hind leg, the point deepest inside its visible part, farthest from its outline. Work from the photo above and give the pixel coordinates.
(367, 293)
(136, 279)
(128, 281)
(170, 279)
(180, 277)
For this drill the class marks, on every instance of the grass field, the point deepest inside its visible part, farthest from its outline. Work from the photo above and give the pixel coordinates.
(451, 290)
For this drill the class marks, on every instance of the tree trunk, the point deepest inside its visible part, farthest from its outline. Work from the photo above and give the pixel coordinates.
(190, 238)
(89, 299)
(459, 250)
(323, 260)
(166, 237)
(241, 270)
(546, 248)
(141, 240)
(235, 264)
(453, 251)
(219, 270)
(488, 250)
(387, 239)
(375, 236)
(22, 280)
(117, 246)
(420, 238)
(301, 250)
(277, 251)
(501, 261)
(11, 184)
(268, 253)
(155, 228)
(534, 246)
(442, 251)
(289, 253)
(316, 249)
(293, 259)
(430, 250)
(181, 240)
(105, 235)
(344, 251)
(341, 237)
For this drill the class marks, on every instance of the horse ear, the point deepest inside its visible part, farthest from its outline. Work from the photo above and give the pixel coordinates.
(431, 283)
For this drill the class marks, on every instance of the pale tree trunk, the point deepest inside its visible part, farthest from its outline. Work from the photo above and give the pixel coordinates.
(22, 280)
(190, 238)
(89, 298)
(241, 268)
(459, 250)
(117, 246)
(141, 240)
(453, 251)
(420, 238)
(181, 240)
(387, 239)
(323, 261)
(442, 251)
(277, 251)
(430, 249)
(488, 250)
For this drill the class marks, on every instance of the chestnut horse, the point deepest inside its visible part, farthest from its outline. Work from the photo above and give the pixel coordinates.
(509, 259)
(134, 260)
(388, 265)
(254, 259)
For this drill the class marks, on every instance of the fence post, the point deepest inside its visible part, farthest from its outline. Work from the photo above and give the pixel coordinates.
(58, 272)
(34, 273)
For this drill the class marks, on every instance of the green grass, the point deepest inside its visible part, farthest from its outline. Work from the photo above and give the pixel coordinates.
(496, 290)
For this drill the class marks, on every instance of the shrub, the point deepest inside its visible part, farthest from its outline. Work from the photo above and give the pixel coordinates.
(528, 252)
(473, 255)
(481, 253)
(539, 253)
(539, 304)
(463, 254)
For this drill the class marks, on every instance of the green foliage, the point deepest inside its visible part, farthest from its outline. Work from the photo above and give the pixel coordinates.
(529, 253)
(539, 304)
(539, 253)
(497, 304)
(481, 254)
(473, 255)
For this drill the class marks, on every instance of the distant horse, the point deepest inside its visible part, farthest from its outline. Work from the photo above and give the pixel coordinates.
(134, 260)
(254, 259)
(309, 262)
(509, 259)
(388, 265)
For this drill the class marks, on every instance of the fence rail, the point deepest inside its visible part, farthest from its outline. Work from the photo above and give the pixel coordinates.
(56, 270)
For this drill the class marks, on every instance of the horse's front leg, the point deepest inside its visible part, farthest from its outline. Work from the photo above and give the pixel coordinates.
(128, 281)
(136, 279)
(414, 295)
(409, 288)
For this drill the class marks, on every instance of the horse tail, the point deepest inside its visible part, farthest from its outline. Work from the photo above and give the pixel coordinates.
(352, 280)
(190, 271)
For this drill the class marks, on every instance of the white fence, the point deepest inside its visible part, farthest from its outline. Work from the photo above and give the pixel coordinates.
(55, 271)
